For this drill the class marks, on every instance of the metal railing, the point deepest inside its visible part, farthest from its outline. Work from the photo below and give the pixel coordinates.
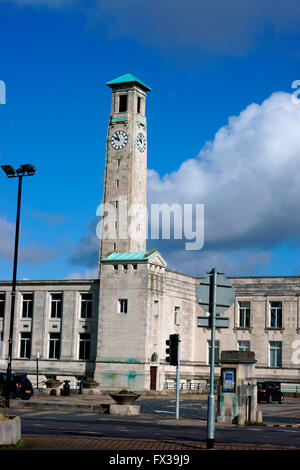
(195, 386)
(202, 387)
(292, 388)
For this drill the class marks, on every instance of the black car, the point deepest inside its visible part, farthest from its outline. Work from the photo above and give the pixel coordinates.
(21, 386)
(269, 392)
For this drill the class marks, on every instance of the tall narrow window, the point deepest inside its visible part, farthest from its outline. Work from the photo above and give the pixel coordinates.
(27, 305)
(276, 314)
(117, 183)
(25, 345)
(2, 304)
(86, 305)
(139, 100)
(1, 345)
(84, 346)
(122, 305)
(275, 354)
(244, 314)
(56, 305)
(177, 315)
(122, 103)
(54, 345)
(155, 307)
(118, 162)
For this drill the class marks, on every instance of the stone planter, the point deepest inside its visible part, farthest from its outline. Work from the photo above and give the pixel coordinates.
(10, 431)
(55, 384)
(124, 398)
(90, 384)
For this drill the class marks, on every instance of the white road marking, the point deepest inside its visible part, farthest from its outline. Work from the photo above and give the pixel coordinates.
(163, 411)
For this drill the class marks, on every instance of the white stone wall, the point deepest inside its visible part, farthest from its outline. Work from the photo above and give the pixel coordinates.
(125, 346)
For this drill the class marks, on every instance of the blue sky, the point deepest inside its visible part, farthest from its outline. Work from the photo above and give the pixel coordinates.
(223, 129)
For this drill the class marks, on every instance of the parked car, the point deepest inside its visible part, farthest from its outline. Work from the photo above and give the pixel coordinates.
(269, 392)
(21, 386)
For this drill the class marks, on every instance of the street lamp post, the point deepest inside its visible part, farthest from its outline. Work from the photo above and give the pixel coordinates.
(37, 370)
(24, 170)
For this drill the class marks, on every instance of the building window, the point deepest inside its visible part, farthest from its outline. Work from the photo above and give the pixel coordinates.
(27, 305)
(54, 345)
(84, 346)
(244, 345)
(139, 100)
(276, 314)
(122, 103)
(217, 352)
(275, 356)
(25, 345)
(176, 315)
(117, 183)
(154, 358)
(244, 314)
(1, 345)
(2, 304)
(122, 304)
(116, 204)
(155, 307)
(86, 305)
(56, 305)
(118, 162)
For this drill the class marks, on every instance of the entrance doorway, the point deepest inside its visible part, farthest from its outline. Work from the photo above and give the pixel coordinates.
(153, 374)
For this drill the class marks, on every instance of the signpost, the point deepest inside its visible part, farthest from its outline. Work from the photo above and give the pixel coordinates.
(215, 294)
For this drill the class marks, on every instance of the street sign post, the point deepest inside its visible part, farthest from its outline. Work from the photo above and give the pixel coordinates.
(215, 294)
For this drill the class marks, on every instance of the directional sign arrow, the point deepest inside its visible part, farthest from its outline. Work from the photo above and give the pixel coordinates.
(224, 293)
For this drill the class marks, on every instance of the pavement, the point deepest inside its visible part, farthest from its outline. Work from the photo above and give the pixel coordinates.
(96, 403)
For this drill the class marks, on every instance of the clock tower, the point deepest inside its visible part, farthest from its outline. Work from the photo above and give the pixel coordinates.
(124, 222)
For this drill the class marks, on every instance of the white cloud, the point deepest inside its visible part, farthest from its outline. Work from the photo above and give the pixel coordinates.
(49, 219)
(7, 233)
(248, 179)
(31, 253)
(86, 274)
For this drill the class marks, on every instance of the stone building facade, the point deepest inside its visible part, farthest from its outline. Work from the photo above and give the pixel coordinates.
(114, 329)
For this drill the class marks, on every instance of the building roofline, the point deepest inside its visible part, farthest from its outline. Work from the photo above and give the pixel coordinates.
(50, 281)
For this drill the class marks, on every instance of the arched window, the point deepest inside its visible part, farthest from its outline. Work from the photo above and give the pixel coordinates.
(154, 358)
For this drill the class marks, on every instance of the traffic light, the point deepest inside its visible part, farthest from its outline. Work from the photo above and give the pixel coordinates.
(172, 350)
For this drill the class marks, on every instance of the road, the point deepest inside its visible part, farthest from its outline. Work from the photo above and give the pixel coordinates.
(289, 412)
(161, 425)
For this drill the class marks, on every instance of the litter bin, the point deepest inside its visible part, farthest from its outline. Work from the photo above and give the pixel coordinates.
(66, 388)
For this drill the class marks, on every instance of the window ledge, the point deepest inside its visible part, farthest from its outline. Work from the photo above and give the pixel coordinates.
(274, 328)
(243, 328)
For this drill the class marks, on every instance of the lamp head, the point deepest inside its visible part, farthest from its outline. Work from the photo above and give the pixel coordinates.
(9, 170)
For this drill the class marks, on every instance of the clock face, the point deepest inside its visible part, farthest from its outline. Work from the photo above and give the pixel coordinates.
(141, 142)
(119, 139)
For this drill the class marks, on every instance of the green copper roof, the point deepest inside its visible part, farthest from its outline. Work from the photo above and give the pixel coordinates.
(127, 78)
(134, 256)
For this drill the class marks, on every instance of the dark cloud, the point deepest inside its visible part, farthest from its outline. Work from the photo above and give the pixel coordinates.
(86, 250)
